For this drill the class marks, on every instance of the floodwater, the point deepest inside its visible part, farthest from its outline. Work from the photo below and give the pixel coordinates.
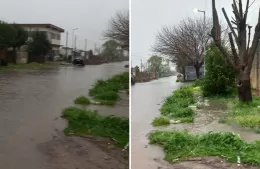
(30, 107)
(147, 99)
(145, 104)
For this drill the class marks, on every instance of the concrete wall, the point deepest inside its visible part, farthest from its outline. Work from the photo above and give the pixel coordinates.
(255, 72)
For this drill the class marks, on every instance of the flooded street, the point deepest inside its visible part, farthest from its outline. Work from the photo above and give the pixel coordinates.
(147, 99)
(146, 102)
(30, 107)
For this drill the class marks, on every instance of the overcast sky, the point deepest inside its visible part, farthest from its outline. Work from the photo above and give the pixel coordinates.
(148, 17)
(90, 16)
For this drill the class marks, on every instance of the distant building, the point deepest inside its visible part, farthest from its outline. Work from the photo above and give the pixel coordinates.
(53, 34)
(63, 51)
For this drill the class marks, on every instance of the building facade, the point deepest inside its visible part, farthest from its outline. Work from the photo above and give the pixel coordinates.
(53, 34)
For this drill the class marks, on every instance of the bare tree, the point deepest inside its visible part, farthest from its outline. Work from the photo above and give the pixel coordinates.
(242, 54)
(119, 29)
(184, 42)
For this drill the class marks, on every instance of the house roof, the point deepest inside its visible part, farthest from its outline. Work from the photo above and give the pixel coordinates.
(47, 25)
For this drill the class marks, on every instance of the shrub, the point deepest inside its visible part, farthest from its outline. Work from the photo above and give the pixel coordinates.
(220, 76)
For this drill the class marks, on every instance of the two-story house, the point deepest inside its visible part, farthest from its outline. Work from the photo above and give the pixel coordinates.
(53, 34)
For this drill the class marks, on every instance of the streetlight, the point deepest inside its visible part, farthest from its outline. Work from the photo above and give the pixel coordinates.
(73, 30)
(196, 10)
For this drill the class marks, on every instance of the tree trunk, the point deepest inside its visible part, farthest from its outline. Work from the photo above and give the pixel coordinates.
(14, 55)
(244, 91)
(197, 68)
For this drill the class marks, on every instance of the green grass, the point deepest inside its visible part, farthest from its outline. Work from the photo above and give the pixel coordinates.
(106, 91)
(29, 66)
(83, 100)
(87, 122)
(161, 121)
(179, 145)
(176, 106)
(244, 114)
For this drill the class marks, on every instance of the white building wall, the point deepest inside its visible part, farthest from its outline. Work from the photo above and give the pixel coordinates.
(48, 33)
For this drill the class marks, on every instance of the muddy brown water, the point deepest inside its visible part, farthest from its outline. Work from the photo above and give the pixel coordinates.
(30, 107)
(147, 99)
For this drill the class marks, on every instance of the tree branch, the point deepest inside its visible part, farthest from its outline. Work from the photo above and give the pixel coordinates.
(230, 26)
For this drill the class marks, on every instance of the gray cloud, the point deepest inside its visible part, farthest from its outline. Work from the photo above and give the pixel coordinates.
(148, 16)
(90, 16)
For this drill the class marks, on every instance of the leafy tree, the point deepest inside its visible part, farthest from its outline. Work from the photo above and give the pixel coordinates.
(7, 35)
(220, 76)
(38, 47)
(20, 39)
(155, 63)
(110, 50)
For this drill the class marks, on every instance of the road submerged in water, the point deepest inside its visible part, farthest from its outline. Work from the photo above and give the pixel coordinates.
(147, 99)
(31, 134)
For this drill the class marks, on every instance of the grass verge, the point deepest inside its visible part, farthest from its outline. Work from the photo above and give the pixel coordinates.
(106, 91)
(176, 106)
(25, 66)
(87, 122)
(244, 114)
(179, 145)
(82, 100)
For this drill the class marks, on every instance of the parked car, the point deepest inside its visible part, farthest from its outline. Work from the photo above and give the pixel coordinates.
(78, 61)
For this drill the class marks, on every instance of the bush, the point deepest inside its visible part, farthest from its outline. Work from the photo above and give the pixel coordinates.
(220, 76)
(82, 100)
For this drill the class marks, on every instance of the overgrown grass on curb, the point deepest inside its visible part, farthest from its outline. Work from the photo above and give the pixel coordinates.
(87, 122)
(106, 91)
(244, 114)
(29, 66)
(179, 145)
(83, 100)
(161, 121)
(176, 106)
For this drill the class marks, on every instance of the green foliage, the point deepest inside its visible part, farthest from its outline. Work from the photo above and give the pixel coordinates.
(244, 114)
(177, 105)
(83, 100)
(181, 145)
(155, 63)
(110, 50)
(106, 91)
(39, 45)
(220, 76)
(107, 95)
(161, 121)
(8, 35)
(21, 36)
(87, 122)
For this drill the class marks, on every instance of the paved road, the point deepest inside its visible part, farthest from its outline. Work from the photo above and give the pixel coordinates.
(30, 106)
(146, 98)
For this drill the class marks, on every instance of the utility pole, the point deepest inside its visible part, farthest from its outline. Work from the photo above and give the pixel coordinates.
(66, 49)
(75, 42)
(86, 42)
(141, 65)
